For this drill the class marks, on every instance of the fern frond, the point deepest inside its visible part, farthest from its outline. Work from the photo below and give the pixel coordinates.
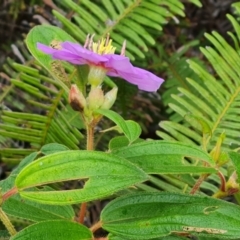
(133, 20)
(177, 71)
(218, 98)
(37, 113)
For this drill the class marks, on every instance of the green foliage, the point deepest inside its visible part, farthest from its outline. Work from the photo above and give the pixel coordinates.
(55, 230)
(154, 215)
(130, 128)
(207, 104)
(160, 157)
(47, 34)
(114, 173)
(42, 114)
(235, 157)
(26, 209)
(211, 99)
(142, 215)
(133, 20)
(123, 19)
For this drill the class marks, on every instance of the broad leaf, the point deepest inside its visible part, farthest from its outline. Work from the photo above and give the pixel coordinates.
(121, 141)
(118, 142)
(8, 183)
(45, 34)
(107, 174)
(152, 215)
(114, 237)
(36, 212)
(164, 157)
(26, 209)
(52, 148)
(54, 230)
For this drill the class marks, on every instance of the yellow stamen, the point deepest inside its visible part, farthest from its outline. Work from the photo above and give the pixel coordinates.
(103, 47)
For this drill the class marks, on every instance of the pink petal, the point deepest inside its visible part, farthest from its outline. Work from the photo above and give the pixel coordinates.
(120, 66)
(89, 56)
(45, 49)
(116, 65)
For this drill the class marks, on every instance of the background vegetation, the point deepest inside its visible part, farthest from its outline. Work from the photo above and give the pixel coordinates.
(193, 45)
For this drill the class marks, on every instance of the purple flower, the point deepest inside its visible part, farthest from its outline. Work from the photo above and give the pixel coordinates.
(114, 65)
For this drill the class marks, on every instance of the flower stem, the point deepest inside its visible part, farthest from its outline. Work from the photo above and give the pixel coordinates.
(90, 147)
(96, 226)
(90, 137)
(198, 183)
(82, 212)
(12, 231)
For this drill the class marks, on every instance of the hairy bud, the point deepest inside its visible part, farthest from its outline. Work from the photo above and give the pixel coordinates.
(95, 98)
(110, 98)
(76, 99)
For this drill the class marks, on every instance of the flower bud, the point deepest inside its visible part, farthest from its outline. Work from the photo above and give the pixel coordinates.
(76, 98)
(110, 98)
(95, 98)
(96, 76)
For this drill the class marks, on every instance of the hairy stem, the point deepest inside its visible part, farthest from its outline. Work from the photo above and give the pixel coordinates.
(90, 137)
(9, 193)
(198, 183)
(96, 226)
(90, 147)
(7, 223)
(82, 212)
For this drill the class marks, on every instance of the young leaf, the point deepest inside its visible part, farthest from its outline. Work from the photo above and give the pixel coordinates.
(235, 157)
(131, 129)
(107, 174)
(152, 215)
(162, 157)
(54, 230)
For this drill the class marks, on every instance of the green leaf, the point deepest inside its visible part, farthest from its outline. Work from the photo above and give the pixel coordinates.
(235, 157)
(26, 209)
(120, 141)
(134, 130)
(8, 183)
(52, 148)
(4, 235)
(213, 96)
(131, 129)
(114, 237)
(164, 157)
(204, 124)
(54, 230)
(45, 34)
(152, 215)
(107, 174)
(196, 2)
(36, 212)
